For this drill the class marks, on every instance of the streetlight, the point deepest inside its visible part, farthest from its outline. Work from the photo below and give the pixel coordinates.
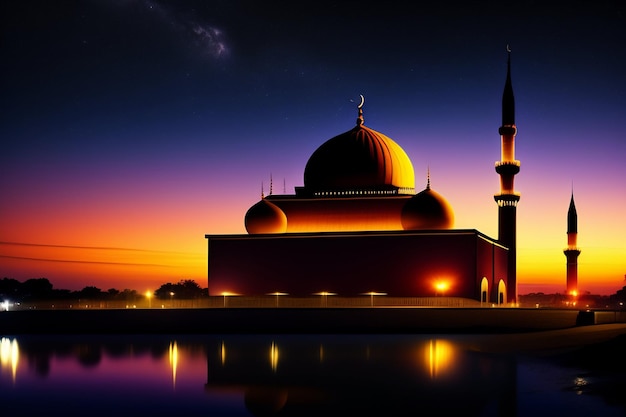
(441, 286)
(227, 294)
(171, 299)
(324, 295)
(277, 294)
(372, 294)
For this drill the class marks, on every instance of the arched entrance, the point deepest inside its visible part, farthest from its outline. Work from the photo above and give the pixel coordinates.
(484, 291)
(501, 292)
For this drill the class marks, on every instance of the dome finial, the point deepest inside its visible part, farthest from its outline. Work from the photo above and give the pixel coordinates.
(428, 178)
(271, 183)
(359, 120)
(262, 192)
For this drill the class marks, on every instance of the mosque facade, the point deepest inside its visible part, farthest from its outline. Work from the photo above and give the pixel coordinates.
(357, 226)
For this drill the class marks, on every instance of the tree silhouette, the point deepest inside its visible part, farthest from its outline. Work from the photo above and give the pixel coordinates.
(184, 289)
(128, 295)
(36, 289)
(10, 288)
(93, 293)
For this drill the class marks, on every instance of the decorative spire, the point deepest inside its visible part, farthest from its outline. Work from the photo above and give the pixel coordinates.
(271, 183)
(428, 178)
(262, 193)
(359, 120)
(508, 101)
(572, 216)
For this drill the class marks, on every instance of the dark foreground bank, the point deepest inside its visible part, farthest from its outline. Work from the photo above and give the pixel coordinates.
(298, 320)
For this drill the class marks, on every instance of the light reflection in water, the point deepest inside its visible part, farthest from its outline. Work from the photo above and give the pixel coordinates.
(9, 355)
(319, 375)
(274, 356)
(579, 384)
(439, 357)
(173, 361)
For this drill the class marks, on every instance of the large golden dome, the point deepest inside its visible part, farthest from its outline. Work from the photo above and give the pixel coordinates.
(359, 161)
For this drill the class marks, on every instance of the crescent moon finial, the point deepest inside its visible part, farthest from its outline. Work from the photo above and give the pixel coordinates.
(362, 101)
(508, 48)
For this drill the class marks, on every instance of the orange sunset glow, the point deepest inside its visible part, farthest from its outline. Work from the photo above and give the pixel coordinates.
(120, 157)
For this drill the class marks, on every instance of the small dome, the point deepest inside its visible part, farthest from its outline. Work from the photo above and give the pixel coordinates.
(359, 159)
(265, 217)
(427, 210)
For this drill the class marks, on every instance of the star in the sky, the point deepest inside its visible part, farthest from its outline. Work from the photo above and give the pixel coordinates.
(209, 39)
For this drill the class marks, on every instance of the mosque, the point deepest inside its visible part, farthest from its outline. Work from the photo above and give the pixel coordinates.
(357, 226)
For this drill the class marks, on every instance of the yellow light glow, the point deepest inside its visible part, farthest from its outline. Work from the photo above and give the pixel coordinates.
(228, 294)
(223, 353)
(9, 355)
(441, 287)
(372, 294)
(439, 357)
(174, 361)
(274, 357)
(324, 297)
(277, 294)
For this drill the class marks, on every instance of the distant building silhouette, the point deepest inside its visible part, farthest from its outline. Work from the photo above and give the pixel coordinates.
(572, 251)
(357, 226)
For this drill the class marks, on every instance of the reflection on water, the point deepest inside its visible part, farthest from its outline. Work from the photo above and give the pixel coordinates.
(173, 361)
(9, 355)
(298, 375)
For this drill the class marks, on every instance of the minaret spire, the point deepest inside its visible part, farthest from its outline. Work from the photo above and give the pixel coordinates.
(508, 198)
(572, 251)
(572, 217)
(508, 100)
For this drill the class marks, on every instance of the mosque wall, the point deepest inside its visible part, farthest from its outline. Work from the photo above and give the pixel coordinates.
(413, 264)
(341, 214)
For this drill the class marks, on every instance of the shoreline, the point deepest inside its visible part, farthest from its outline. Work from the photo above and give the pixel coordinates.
(329, 320)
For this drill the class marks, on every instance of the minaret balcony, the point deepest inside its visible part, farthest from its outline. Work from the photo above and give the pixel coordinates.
(574, 250)
(507, 167)
(507, 130)
(507, 200)
(514, 162)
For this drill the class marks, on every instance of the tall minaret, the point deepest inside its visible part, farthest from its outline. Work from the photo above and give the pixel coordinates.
(572, 251)
(507, 199)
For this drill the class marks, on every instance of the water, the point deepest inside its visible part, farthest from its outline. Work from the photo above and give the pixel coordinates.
(298, 375)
